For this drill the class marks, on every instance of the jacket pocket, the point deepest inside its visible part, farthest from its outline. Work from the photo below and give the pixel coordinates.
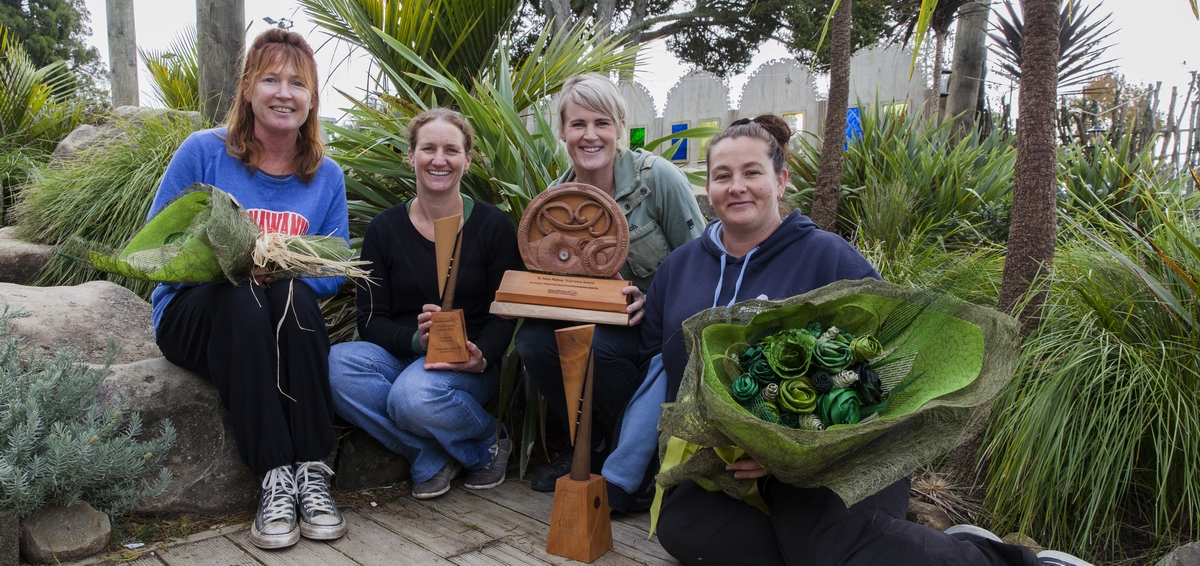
(647, 248)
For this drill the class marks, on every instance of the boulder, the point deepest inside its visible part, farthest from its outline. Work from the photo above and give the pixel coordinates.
(87, 134)
(1186, 555)
(929, 515)
(1023, 540)
(83, 318)
(20, 260)
(209, 477)
(58, 534)
(364, 462)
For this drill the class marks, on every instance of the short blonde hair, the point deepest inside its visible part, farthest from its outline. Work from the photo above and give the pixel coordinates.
(593, 92)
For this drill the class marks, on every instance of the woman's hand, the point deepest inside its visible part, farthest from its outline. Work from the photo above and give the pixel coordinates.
(634, 310)
(474, 365)
(260, 277)
(424, 321)
(746, 469)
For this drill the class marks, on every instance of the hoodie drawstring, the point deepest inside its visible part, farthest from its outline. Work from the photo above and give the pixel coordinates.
(737, 286)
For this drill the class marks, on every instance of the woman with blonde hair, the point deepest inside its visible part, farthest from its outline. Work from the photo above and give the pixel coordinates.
(263, 342)
(662, 214)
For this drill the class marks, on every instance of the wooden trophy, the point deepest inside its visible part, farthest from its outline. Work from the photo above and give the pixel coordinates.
(573, 239)
(448, 327)
(579, 524)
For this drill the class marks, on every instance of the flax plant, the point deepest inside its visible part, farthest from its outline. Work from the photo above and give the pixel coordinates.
(99, 195)
(1099, 435)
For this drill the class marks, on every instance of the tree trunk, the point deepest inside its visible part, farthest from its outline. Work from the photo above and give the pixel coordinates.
(829, 169)
(968, 63)
(604, 15)
(221, 38)
(939, 63)
(122, 52)
(1032, 232)
(559, 13)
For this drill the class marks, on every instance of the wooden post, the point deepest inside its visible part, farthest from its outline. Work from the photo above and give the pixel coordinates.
(122, 52)
(579, 524)
(969, 64)
(221, 34)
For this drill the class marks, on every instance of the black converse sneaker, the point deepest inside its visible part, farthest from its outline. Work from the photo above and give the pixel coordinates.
(275, 525)
(319, 517)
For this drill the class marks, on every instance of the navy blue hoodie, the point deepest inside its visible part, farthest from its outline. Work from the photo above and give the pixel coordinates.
(798, 257)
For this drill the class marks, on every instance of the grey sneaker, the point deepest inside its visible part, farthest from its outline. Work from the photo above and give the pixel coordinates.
(1056, 558)
(439, 483)
(275, 524)
(972, 532)
(319, 517)
(492, 474)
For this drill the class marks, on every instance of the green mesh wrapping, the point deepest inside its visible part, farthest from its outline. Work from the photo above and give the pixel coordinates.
(202, 236)
(952, 360)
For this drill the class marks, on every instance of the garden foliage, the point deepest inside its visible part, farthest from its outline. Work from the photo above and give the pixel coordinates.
(60, 445)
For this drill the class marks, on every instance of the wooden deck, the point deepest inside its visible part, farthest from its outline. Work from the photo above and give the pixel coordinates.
(505, 525)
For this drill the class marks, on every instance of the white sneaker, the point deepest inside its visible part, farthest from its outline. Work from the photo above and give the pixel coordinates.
(275, 524)
(969, 532)
(1056, 558)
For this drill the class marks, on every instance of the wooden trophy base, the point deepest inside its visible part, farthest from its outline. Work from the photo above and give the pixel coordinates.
(562, 297)
(447, 338)
(579, 525)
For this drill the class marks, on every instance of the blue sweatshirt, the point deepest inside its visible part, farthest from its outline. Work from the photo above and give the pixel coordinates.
(285, 205)
(798, 257)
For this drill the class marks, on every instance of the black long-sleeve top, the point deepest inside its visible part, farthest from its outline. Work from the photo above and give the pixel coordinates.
(404, 264)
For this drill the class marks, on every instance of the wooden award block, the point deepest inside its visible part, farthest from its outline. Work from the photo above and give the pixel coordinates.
(448, 338)
(577, 238)
(579, 525)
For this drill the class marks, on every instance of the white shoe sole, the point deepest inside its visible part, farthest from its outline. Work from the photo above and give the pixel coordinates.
(322, 532)
(271, 542)
(430, 494)
(478, 487)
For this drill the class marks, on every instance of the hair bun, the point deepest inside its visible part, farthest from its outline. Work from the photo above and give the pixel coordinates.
(776, 126)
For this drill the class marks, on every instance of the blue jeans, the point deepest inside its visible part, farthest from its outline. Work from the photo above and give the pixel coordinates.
(426, 416)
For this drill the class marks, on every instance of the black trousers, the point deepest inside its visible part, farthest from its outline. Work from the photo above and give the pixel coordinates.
(617, 378)
(813, 526)
(228, 333)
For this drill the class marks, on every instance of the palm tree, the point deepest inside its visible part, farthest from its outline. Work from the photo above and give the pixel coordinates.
(1080, 42)
(829, 169)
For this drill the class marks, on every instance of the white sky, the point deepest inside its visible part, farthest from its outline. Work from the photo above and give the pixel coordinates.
(1157, 40)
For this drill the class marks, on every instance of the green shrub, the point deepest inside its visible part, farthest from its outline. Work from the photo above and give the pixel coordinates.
(60, 445)
(175, 71)
(100, 195)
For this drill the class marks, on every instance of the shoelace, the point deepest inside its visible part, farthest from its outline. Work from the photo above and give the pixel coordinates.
(314, 493)
(282, 487)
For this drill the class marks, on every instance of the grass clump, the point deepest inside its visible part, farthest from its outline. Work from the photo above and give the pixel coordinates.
(60, 445)
(100, 195)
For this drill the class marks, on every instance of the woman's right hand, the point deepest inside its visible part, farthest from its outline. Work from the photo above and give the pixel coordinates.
(746, 469)
(260, 277)
(424, 321)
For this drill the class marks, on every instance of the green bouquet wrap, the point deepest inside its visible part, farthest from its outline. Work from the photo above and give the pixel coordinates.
(944, 362)
(203, 236)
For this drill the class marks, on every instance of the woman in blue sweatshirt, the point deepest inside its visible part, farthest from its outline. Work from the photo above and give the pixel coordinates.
(263, 342)
(752, 252)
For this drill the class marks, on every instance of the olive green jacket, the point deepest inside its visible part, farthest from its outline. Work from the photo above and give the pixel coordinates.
(660, 207)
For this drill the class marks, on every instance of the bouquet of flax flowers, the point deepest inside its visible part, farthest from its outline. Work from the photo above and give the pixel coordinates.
(938, 363)
(203, 236)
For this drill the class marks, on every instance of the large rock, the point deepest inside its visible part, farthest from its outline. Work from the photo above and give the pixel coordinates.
(87, 135)
(929, 515)
(58, 534)
(1186, 555)
(363, 461)
(209, 477)
(20, 260)
(83, 318)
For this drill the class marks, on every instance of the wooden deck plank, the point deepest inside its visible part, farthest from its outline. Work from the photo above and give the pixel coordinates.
(499, 552)
(517, 530)
(371, 544)
(304, 553)
(433, 531)
(218, 550)
(538, 506)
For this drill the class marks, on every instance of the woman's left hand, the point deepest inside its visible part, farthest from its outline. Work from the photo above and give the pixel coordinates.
(476, 364)
(746, 469)
(634, 310)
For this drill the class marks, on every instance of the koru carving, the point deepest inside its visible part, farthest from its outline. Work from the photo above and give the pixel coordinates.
(574, 229)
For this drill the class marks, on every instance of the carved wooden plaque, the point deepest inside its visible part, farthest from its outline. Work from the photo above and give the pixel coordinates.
(574, 229)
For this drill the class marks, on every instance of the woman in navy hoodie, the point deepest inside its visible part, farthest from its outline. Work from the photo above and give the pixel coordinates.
(752, 252)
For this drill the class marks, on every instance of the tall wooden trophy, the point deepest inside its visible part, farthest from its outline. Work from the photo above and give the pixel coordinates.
(448, 327)
(579, 524)
(574, 239)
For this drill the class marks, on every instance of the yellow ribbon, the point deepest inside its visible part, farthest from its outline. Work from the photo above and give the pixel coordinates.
(680, 451)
